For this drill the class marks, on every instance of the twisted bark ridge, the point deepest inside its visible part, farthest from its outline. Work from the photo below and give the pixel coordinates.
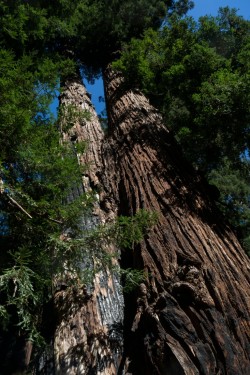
(192, 314)
(88, 336)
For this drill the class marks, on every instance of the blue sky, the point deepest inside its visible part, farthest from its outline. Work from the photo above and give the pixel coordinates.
(97, 91)
(203, 7)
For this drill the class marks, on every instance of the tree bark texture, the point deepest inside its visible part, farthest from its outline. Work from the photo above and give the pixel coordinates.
(192, 314)
(88, 323)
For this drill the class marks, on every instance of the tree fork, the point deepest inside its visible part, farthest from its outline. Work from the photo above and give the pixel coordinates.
(192, 314)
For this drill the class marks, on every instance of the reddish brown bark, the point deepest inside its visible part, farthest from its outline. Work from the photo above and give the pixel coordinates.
(192, 314)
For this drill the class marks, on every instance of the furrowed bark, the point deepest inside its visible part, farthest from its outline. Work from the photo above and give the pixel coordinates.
(192, 314)
(88, 336)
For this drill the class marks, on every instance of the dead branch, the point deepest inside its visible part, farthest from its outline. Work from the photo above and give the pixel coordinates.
(19, 206)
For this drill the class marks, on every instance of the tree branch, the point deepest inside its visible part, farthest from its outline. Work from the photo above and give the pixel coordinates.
(19, 206)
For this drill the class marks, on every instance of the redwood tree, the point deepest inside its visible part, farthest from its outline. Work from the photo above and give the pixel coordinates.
(191, 316)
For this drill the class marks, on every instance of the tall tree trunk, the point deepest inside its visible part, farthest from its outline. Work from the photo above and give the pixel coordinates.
(88, 326)
(192, 314)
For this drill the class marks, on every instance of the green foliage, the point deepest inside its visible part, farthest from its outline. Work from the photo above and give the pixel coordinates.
(37, 174)
(71, 114)
(222, 116)
(18, 285)
(59, 27)
(23, 25)
(227, 32)
(131, 230)
(110, 23)
(39, 182)
(17, 102)
(125, 232)
(62, 25)
(234, 186)
(132, 279)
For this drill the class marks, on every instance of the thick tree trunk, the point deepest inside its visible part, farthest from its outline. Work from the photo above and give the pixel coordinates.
(192, 314)
(88, 327)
